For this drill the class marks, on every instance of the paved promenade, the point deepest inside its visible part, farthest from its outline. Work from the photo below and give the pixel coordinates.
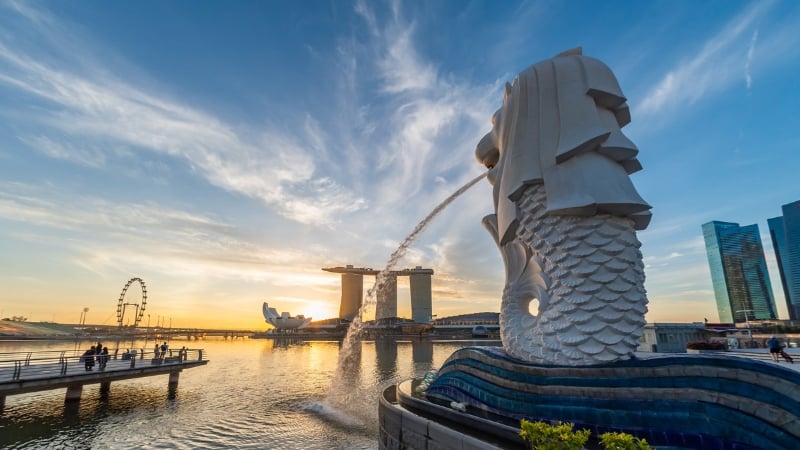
(762, 354)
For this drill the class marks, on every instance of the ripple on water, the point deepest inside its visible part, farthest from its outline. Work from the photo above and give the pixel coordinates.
(251, 395)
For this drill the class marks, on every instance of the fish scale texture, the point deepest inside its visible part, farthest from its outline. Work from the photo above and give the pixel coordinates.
(588, 277)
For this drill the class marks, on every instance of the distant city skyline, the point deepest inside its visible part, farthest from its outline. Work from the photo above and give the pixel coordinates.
(224, 152)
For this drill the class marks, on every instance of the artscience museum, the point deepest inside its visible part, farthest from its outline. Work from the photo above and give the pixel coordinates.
(284, 321)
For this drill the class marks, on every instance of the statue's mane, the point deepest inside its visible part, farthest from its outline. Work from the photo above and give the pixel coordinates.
(560, 125)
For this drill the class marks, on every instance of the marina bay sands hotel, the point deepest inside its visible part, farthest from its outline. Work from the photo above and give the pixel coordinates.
(386, 302)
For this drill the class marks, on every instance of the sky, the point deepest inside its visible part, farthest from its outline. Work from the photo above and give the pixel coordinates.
(224, 152)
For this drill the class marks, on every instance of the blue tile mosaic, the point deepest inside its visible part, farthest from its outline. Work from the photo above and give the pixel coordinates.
(489, 380)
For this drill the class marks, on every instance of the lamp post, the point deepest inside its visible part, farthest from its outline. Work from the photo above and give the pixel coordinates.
(747, 323)
(82, 320)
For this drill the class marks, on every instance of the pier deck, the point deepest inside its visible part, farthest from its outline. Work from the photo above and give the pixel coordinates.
(25, 372)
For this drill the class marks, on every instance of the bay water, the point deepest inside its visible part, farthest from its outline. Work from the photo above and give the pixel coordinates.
(253, 394)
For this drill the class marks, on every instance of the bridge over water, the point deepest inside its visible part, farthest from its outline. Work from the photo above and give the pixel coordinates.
(23, 372)
(157, 334)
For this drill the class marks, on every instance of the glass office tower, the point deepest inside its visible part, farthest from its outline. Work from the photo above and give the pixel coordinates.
(785, 234)
(738, 272)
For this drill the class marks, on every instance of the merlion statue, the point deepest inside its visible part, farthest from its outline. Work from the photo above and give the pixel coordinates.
(567, 214)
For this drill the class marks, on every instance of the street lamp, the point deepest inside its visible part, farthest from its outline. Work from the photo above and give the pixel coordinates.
(747, 323)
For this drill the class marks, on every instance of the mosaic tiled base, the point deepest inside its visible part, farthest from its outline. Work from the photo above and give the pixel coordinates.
(689, 401)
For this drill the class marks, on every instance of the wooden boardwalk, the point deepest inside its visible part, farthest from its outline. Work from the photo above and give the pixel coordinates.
(39, 371)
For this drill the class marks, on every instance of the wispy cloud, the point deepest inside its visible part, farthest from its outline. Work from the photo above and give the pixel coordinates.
(86, 155)
(432, 114)
(36, 16)
(401, 66)
(712, 69)
(272, 166)
(44, 206)
(166, 240)
(750, 54)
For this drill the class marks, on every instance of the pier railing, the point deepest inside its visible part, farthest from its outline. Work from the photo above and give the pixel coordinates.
(43, 364)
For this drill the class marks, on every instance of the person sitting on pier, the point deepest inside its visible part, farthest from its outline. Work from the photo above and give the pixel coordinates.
(88, 359)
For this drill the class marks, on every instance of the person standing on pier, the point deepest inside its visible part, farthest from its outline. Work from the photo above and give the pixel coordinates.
(102, 360)
(88, 359)
(155, 351)
(97, 351)
(164, 347)
(774, 348)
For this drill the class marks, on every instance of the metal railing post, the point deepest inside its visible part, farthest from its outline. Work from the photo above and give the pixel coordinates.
(62, 360)
(17, 369)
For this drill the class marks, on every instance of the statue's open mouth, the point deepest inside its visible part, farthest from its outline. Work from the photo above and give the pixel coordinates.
(487, 153)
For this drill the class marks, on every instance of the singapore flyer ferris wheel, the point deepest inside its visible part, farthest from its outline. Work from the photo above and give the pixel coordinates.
(140, 307)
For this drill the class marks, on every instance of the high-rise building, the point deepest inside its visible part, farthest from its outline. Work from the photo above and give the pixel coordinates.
(420, 284)
(352, 295)
(778, 237)
(738, 272)
(785, 234)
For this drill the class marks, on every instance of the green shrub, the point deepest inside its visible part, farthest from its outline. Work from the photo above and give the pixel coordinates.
(622, 441)
(543, 436)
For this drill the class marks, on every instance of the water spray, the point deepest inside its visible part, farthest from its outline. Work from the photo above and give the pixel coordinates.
(352, 339)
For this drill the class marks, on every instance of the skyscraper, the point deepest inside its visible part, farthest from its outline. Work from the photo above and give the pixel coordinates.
(785, 234)
(738, 272)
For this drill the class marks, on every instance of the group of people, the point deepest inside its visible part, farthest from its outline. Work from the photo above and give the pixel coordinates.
(160, 351)
(776, 350)
(95, 353)
(98, 353)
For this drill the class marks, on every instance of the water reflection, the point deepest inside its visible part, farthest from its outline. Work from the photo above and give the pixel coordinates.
(422, 351)
(386, 357)
(253, 394)
(32, 419)
(286, 342)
